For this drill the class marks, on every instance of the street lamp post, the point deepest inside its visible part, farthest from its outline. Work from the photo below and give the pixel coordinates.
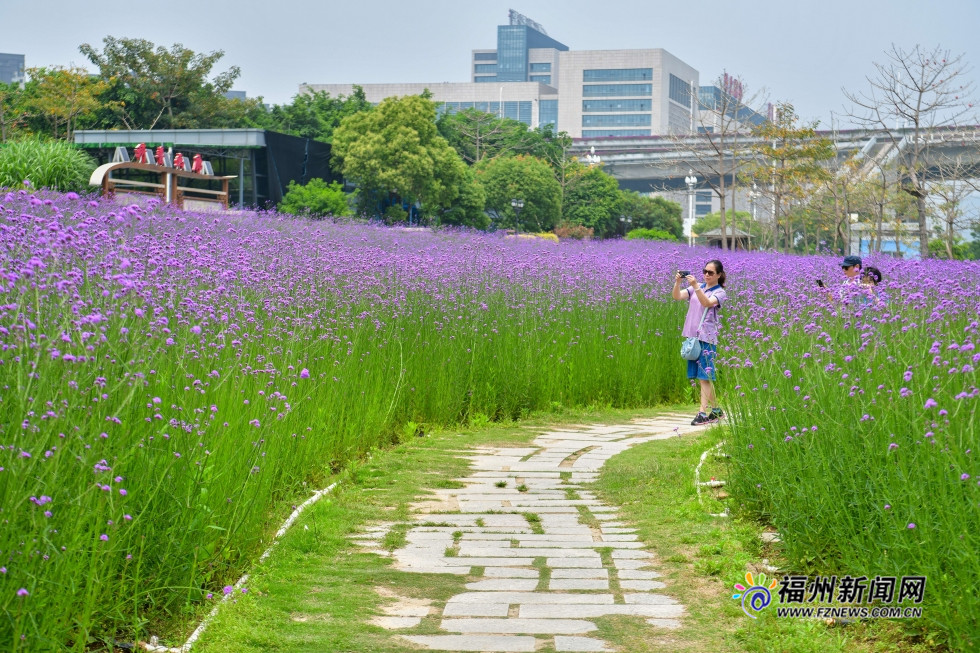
(690, 180)
(625, 221)
(517, 206)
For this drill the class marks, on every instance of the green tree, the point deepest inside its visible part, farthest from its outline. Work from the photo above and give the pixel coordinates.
(467, 210)
(60, 97)
(651, 213)
(316, 114)
(315, 199)
(477, 135)
(396, 150)
(524, 178)
(973, 245)
(788, 166)
(12, 112)
(592, 199)
(153, 87)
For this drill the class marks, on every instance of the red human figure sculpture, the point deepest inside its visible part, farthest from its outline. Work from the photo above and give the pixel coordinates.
(159, 155)
(197, 164)
(140, 154)
(179, 161)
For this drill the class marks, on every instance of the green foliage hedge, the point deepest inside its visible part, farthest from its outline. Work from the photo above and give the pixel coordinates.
(650, 234)
(315, 199)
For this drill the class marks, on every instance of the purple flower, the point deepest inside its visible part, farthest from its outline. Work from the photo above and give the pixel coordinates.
(122, 492)
(227, 589)
(911, 525)
(104, 537)
(964, 477)
(888, 506)
(892, 446)
(930, 403)
(304, 373)
(23, 592)
(209, 596)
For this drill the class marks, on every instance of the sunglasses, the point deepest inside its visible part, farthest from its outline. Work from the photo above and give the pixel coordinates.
(707, 272)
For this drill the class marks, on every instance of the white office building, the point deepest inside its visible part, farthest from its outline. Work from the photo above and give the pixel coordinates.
(587, 93)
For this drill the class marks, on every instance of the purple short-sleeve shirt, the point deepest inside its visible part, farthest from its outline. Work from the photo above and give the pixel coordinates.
(709, 330)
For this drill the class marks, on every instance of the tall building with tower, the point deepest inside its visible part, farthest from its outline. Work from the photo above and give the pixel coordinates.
(11, 68)
(538, 80)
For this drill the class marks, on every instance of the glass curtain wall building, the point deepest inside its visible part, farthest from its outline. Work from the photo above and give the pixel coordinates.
(538, 80)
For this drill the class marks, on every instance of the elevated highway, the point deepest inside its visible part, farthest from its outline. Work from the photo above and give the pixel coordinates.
(647, 163)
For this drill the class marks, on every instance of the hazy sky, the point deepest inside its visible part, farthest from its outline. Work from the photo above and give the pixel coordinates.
(802, 51)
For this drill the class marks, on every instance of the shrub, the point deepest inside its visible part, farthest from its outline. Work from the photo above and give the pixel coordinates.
(574, 231)
(316, 199)
(650, 234)
(45, 164)
(395, 214)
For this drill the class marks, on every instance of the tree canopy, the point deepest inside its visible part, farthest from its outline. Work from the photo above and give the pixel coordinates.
(522, 178)
(395, 149)
(315, 115)
(151, 87)
(592, 199)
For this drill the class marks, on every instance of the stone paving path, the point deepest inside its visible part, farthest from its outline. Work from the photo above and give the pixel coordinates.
(552, 556)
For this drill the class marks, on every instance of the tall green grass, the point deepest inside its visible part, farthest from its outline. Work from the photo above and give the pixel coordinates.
(56, 165)
(855, 433)
(168, 379)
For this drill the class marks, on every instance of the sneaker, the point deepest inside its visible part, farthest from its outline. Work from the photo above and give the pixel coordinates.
(716, 413)
(702, 418)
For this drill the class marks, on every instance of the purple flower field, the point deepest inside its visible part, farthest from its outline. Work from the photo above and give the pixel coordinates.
(168, 378)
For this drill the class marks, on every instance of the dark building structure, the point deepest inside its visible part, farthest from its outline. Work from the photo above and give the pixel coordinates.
(264, 162)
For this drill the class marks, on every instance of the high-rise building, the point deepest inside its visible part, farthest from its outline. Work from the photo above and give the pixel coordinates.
(11, 68)
(538, 80)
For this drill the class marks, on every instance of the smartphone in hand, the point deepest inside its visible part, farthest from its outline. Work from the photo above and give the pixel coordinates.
(820, 283)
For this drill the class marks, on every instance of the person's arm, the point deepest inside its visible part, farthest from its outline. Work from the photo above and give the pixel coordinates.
(704, 300)
(678, 293)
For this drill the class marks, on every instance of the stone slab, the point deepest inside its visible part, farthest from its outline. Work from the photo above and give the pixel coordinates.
(484, 644)
(571, 643)
(633, 574)
(518, 626)
(476, 610)
(528, 598)
(586, 611)
(579, 563)
(579, 573)
(641, 585)
(578, 584)
(509, 572)
(504, 585)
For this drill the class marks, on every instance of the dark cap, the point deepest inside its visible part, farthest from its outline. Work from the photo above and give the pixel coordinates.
(850, 260)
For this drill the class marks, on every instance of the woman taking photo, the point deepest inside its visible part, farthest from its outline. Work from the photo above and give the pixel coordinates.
(702, 322)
